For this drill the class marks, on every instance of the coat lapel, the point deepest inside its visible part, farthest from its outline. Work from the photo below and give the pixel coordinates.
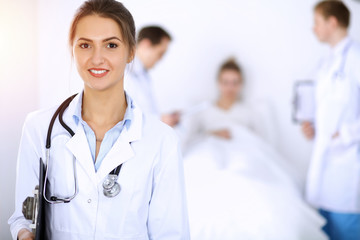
(122, 150)
(79, 147)
(119, 153)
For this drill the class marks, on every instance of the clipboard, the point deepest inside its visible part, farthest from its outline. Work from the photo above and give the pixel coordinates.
(304, 101)
(34, 207)
(40, 221)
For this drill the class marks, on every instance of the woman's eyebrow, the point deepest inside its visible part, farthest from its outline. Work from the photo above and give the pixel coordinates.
(105, 40)
(111, 38)
(85, 39)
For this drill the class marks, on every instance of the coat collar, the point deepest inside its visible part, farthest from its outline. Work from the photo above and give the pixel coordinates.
(119, 153)
(341, 47)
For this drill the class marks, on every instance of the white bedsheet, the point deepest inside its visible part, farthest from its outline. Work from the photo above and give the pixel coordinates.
(241, 189)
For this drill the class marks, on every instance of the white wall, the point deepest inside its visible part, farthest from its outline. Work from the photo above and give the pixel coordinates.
(56, 74)
(18, 92)
(272, 40)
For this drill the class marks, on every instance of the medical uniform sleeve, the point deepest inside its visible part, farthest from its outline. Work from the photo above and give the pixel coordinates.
(168, 217)
(26, 179)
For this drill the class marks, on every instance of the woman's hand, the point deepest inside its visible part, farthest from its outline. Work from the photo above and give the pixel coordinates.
(222, 133)
(25, 234)
(308, 130)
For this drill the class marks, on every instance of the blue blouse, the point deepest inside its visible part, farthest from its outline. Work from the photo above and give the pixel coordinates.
(110, 136)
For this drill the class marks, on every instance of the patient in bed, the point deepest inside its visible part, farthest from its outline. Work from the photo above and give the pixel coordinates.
(238, 187)
(228, 109)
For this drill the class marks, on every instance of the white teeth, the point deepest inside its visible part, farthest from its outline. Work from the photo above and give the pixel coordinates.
(97, 72)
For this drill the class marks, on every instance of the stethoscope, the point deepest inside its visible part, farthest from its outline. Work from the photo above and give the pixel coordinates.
(339, 73)
(111, 187)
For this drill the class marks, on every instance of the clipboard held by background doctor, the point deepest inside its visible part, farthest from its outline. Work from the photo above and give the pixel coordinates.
(304, 101)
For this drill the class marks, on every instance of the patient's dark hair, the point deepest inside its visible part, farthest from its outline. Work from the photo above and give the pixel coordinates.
(335, 9)
(154, 33)
(108, 9)
(230, 64)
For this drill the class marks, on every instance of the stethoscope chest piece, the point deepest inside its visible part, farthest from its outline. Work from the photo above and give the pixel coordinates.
(111, 187)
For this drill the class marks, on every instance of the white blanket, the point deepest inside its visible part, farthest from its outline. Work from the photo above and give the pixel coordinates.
(241, 189)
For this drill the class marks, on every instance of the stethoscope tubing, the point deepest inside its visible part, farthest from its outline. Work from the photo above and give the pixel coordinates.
(111, 191)
(59, 112)
(338, 74)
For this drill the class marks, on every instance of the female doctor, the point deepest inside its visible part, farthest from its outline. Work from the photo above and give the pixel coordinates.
(111, 135)
(333, 183)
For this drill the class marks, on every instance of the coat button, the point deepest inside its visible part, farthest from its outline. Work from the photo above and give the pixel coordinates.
(89, 200)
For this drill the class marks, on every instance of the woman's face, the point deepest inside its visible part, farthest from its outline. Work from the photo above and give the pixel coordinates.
(100, 52)
(230, 83)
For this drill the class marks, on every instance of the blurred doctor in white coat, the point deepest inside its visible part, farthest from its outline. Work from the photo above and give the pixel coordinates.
(152, 44)
(333, 183)
(110, 130)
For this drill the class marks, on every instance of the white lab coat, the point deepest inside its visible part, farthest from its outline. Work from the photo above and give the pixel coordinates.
(138, 85)
(333, 181)
(151, 204)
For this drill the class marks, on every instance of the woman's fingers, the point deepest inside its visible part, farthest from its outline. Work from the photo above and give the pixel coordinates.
(25, 234)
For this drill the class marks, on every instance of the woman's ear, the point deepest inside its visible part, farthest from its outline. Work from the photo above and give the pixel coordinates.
(131, 55)
(72, 51)
(72, 48)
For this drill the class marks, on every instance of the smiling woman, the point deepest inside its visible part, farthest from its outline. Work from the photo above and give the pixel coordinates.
(109, 133)
(101, 54)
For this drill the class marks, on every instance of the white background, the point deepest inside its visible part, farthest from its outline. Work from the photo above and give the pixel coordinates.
(272, 40)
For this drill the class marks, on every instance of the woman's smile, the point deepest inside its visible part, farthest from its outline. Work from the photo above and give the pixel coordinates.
(98, 72)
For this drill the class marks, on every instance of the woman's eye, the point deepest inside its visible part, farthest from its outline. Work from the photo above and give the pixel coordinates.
(112, 45)
(84, 45)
